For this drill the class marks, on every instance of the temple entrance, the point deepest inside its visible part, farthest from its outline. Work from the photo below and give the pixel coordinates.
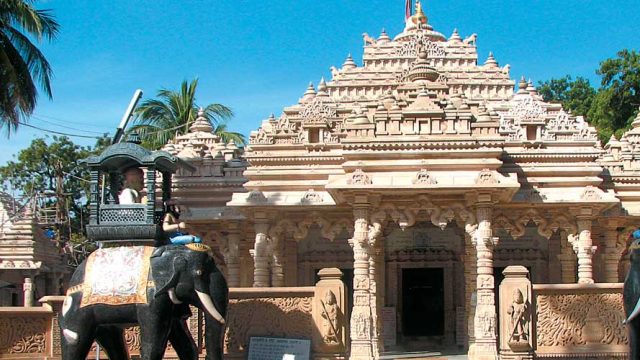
(423, 307)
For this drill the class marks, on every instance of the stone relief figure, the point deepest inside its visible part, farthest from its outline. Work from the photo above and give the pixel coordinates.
(331, 333)
(518, 318)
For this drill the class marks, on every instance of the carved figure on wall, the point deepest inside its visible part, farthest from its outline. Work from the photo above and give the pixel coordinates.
(518, 318)
(150, 286)
(631, 296)
(330, 319)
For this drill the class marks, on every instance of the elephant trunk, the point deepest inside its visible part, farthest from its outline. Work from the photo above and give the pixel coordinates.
(207, 303)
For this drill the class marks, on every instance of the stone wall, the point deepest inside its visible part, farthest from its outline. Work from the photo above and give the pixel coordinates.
(298, 312)
(560, 321)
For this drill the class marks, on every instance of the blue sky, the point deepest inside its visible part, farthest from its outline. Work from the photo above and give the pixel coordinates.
(259, 56)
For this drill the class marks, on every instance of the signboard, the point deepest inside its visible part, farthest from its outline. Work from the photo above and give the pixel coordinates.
(389, 325)
(262, 348)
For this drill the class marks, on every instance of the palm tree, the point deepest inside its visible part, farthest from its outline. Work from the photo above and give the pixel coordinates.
(22, 65)
(160, 120)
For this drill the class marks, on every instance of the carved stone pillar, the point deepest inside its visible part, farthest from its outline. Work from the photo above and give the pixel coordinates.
(583, 247)
(232, 255)
(485, 344)
(470, 276)
(260, 252)
(27, 289)
(376, 289)
(362, 325)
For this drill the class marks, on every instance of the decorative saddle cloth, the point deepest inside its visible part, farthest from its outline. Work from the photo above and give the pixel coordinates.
(118, 275)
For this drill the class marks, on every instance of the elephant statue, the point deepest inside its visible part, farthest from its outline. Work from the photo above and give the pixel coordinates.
(631, 296)
(121, 286)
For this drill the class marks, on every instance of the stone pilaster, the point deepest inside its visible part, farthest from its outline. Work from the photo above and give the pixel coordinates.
(277, 270)
(470, 276)
(516, 315)
(232, 255)
(613, 250)
(485, 320)
(362, 325)
(583, 247)
(260, 252)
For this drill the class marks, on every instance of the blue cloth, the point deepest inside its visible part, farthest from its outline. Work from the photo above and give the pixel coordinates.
(636, 234)
(180, 238)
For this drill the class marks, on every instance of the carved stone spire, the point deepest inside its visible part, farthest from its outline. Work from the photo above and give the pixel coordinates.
(322, 88)
(491, 61)
(384, 37)
(349, 63)
(455, 37)
(201, 123)
(309, 94)
(522, 86)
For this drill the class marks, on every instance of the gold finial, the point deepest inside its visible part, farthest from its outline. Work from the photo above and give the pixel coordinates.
(419, 17)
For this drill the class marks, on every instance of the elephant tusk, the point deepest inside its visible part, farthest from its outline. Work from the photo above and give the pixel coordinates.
(173, 297)
(634, 313)
(208, 305)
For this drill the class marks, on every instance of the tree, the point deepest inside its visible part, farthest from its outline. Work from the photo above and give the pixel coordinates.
(610, 109)
(160, 120)
(50, 167)
(617, 101)
(22, 65)
(574, 95)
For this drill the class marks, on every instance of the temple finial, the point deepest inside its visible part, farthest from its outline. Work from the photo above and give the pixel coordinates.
(419, 18)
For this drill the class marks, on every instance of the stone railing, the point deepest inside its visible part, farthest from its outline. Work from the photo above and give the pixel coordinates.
(33, 333)
(560, 321)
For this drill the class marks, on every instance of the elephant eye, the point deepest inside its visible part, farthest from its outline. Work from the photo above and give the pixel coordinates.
(198, 272)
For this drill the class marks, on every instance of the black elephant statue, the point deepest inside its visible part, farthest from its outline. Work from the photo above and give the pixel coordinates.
(631, 296)
(152, 287)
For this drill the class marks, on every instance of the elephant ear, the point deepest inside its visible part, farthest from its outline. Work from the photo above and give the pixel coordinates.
(166, 273)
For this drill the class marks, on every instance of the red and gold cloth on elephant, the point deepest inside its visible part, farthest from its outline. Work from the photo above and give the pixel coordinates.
(118, 275)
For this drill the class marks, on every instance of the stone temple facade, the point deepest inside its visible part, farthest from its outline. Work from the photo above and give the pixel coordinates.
(421, 174)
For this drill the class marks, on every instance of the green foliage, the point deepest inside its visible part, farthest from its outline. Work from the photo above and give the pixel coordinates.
(37, 169)
(575, 95)
(22, 65)
(610, 109)
(172, 113)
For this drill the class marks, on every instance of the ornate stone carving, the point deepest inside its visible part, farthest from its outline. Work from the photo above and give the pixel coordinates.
(23, 334)
(418, 42)
(519, 320)
(562, 319)
(424, 178)
(279, 317)
(318, 112)
(486, 177)
(359, 177)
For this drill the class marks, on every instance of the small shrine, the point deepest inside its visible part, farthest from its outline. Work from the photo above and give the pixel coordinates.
(125, 204)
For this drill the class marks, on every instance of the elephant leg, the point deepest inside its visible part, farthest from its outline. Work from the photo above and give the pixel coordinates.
(76, 345)
(180, 338)
(214, 336)
(111, 338)
(634, 332)
(154, 336)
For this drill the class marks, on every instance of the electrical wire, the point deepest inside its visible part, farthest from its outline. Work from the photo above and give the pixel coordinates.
(68, 121)
(59, 132)
(67, 127)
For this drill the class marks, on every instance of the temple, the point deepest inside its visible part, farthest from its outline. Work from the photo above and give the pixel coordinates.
(422, 174)
(465, 213)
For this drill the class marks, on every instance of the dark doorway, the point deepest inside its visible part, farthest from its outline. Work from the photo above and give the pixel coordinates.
(423, 302)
